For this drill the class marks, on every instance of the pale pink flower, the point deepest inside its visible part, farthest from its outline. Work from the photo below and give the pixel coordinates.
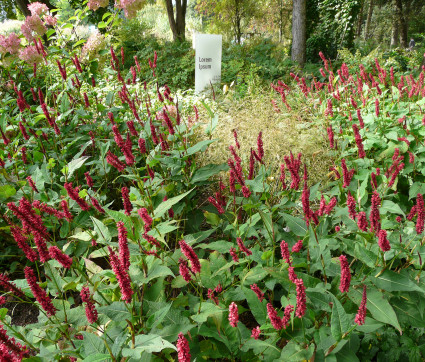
(50, 20)
(10, 44)
(130, 7)
(33, 25)
(96, 4)
(30, 55)
(38, 9)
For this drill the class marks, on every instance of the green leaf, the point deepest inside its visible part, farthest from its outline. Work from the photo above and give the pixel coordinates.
(64, 103)
(93, 344)
(377, 305)
(258, 346)
(395, 282)
(339, 320)
(76, 164)
(268, 223)
(258, 309)
(204, 173)
(158, 316)
(295, 224)
(212, 125)
(200, 146)
(79, 42)
(295, 352)
(104, 237)
(98, 357)
(221, 246)
(147, 343)
(7, 191)
(391, 207)
(366, 256)
(120, 216)
(319, 298)
(166, 205)
(116, 311)
(208, 309)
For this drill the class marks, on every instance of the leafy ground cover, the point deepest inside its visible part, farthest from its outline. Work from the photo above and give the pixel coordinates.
(127, 254)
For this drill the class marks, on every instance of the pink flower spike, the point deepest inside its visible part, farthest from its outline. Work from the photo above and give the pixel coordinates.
(256, 332)
(183, 349)
(233, 314)
(285, 252)
(242, 247)
(297, 247)
(191, 255)
(274, 318)
(257, 291)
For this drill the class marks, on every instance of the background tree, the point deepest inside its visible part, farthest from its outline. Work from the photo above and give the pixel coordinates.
(177, 18)
(298, 53)
(7, 10)
(332, 26)
(229, 16)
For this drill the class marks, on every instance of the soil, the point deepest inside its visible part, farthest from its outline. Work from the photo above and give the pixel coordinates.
(21, 313)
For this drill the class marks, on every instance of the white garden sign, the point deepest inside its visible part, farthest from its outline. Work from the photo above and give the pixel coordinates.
(208, 60)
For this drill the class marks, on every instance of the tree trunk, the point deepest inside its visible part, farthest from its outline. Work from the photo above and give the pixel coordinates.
(177, 23)
(394, 30)
(298, 31)
(360, 20)
(402, 22)
(23, 7)
(280, 21)
(369, 19)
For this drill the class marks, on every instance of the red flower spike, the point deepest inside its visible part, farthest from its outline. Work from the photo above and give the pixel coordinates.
(344, 284)
(89, 180)
(39, 294)
(64, 259)
(128, 207)
(383, 242)
(184, 270)
(115, 162)
(122, 276)
(420, 210)
(361, 313)
(73, 194)
(242, 247)
(301, 298)
(124, 253)
(285, 252)
(234, 255)
(351, 204)
(375, 219)
(91, 312)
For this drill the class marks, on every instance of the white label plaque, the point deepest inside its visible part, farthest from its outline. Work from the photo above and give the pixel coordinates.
(208, 60)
